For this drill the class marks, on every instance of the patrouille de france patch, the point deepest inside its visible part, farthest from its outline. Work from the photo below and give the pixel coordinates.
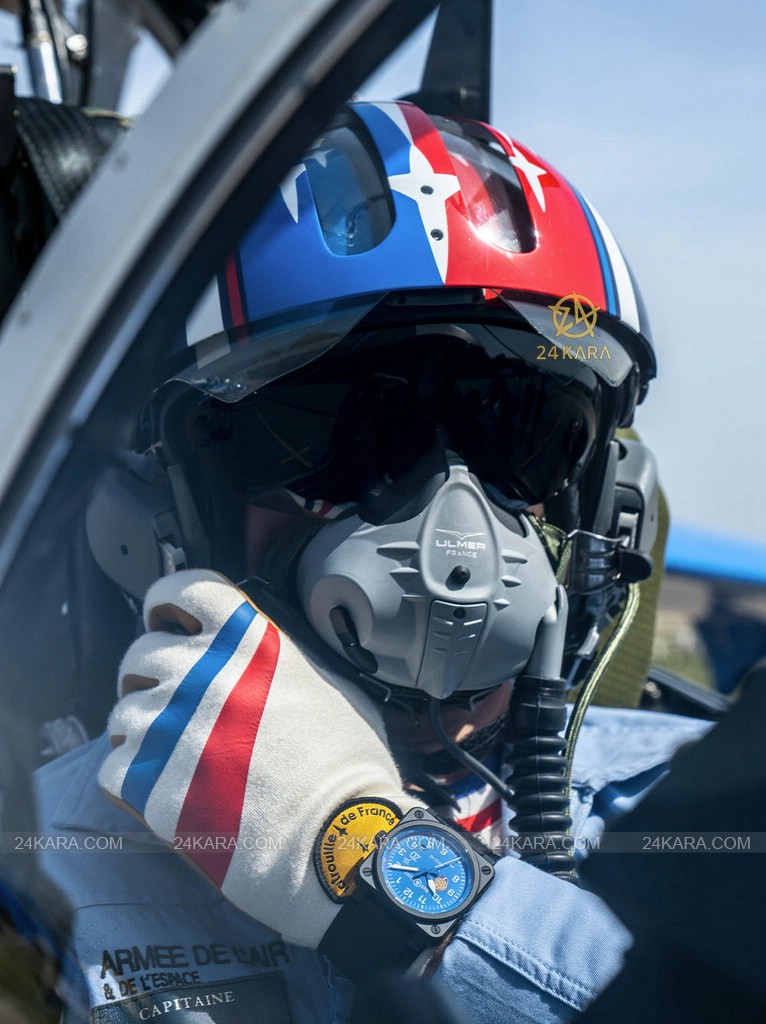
(347, 838)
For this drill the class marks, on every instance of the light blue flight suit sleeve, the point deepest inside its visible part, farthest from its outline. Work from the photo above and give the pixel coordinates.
(534, 950)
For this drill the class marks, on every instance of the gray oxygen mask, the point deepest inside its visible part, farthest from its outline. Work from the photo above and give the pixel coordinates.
(429, 586)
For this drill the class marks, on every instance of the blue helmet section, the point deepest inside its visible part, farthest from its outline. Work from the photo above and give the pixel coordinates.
(285, 261)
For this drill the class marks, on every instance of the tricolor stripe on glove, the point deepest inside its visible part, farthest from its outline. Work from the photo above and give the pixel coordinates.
(218, 705)
(227, 732)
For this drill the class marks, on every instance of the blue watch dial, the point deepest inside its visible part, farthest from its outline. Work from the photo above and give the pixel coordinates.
(426, 869)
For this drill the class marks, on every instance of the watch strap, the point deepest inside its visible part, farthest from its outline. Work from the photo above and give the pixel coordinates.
(365, 939)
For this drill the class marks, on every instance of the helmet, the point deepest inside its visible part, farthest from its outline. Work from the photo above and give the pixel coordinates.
(428, 332)
(392, 200)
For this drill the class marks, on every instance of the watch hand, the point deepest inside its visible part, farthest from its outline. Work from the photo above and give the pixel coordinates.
(401, 867)
(446, 864)
(431, 886)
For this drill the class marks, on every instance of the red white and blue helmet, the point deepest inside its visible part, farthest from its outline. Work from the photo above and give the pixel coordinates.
(392, 199)
(400, 230)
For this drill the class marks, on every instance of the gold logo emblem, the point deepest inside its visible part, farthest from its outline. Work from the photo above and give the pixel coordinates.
(573, 310)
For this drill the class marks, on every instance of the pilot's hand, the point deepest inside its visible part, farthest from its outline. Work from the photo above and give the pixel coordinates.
(231, 747)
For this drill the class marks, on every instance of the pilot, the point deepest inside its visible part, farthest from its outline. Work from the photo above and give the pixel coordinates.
(393, 424)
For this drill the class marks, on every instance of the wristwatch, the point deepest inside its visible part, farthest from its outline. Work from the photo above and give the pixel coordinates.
(410, 891)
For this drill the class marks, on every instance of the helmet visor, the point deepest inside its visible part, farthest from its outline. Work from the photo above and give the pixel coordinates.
(233, 364)
(340, 428)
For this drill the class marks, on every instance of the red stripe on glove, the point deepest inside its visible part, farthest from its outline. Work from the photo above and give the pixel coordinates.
(213, 805)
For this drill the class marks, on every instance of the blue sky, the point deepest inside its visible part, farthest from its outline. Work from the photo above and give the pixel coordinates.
(657, 113)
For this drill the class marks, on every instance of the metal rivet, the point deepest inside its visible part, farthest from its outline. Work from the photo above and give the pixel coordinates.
(77, 46)
(436, 929)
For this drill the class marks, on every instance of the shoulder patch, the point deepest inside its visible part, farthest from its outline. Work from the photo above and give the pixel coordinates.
(347, 838)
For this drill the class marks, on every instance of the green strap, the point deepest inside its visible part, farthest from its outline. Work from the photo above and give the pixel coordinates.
(624, 673)
(596, 674)
(625, 679)
(558, 546)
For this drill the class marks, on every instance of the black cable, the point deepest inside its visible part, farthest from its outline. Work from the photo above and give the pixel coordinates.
(434, 709)
(540, 797)
(420, 784)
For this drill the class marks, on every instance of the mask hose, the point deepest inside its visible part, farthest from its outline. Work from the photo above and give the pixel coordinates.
(538, 761)
(434, 709)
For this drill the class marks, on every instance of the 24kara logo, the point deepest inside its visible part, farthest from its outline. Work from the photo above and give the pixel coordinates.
(571, 310)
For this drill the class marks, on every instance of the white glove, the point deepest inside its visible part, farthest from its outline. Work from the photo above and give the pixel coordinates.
(231, 747)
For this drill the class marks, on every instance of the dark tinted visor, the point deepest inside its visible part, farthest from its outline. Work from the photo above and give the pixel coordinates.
(345, 425)
(234, 364)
